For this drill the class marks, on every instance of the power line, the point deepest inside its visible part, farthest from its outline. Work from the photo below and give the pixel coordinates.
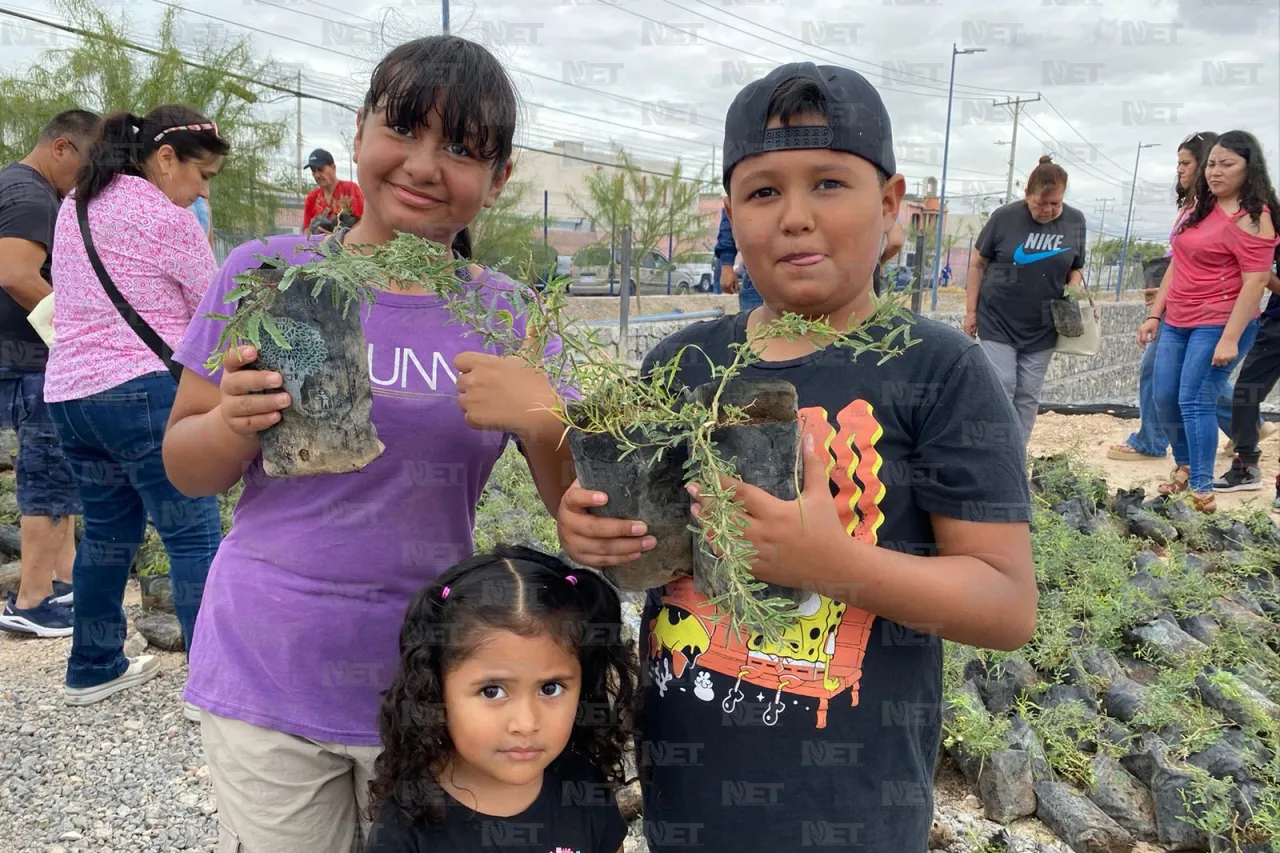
(674, 28)
(808, 46)
(297, 93)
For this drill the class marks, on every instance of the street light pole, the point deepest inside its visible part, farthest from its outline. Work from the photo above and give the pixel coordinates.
(942, 190)
(1133, 189)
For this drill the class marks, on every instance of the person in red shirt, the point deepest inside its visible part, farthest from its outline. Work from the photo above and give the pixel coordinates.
(332, 199)
(1207, 307)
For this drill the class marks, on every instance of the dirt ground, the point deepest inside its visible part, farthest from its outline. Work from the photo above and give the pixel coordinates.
(1091, 435)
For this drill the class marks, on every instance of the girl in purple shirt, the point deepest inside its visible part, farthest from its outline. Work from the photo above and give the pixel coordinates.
(297, 634)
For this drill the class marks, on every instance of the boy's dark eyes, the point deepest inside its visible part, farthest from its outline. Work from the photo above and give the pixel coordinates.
(459, 149)
(823, 184)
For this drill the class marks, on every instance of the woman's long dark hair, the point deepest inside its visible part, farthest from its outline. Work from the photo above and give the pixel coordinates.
(125, 142)
(1254, 193)
(1198, 146)
(464, 83)
(527, 593)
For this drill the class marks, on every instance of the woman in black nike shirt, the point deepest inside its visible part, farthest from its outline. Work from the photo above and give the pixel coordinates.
(1027, 253)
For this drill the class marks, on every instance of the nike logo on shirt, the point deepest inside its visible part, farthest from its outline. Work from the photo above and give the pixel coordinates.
(1022, 256)
(1041, 246)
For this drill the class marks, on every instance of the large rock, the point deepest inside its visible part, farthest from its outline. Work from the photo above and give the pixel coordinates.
(10, 541)
(162, 630)
(1149, 764)
(1010, 680)
(1021, 736)
(1230, 756)
(1123, 798)
(1235, 699)
(10, 578)
(1078, 821)
(1233, 612)
(1202, 626)
(1148, 525)
(8, 448)
(1005, 786)
(970, 764)
(1100, 663)
(1166, 639)
(1123, 698)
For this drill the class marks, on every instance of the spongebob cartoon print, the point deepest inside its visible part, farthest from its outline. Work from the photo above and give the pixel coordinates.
(821, 656)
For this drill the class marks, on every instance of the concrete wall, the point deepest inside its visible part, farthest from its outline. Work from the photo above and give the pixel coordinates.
(1111, 376)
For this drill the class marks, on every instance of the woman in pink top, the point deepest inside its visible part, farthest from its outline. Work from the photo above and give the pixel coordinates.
(110, 394)
(1207, 307)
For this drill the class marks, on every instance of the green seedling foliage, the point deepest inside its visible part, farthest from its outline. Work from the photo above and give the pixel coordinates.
(1062, 729)
(636, 411)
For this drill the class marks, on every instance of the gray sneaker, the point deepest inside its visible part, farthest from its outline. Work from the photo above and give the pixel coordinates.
(141, 670)
(1240, 477)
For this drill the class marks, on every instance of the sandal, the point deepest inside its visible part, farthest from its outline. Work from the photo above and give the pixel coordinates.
(1204, 503)
(1178, 483)
(1126, 453)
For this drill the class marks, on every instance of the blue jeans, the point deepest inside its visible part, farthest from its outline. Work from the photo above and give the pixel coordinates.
(113, 441)
(748, 296)
(1150, 437)
(1187, 390)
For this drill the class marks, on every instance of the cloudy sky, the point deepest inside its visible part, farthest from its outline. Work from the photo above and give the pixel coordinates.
(657, 75)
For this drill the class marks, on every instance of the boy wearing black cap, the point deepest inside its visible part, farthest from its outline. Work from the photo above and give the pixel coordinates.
(831, 737)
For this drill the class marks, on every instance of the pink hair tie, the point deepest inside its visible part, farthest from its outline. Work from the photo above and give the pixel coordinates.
(571, 579)
(444, 593)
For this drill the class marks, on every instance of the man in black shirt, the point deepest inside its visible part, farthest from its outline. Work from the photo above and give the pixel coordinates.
(30, 191)
(912, 526)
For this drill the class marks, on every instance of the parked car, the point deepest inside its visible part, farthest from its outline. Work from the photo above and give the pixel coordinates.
(649, 273)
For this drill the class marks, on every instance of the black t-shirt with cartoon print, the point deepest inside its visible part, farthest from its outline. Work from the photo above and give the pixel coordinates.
(830, 739)
(575, 812)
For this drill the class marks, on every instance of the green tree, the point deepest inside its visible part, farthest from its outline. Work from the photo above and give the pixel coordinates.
(653, 206)
(503, 238)
(105, 75)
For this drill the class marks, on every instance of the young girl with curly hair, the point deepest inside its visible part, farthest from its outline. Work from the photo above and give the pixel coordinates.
(508, 719)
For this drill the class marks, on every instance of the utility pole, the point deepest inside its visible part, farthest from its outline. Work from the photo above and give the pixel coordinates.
(1097, 244)
(1016, 103)
(1133, 190)
(942, 186)
(444, 15)
(299, 125)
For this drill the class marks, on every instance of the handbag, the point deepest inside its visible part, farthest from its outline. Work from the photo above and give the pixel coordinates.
(139, 325)
(1089, 341)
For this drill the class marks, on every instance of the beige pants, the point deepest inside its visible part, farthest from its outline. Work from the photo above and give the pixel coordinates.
(279, 793)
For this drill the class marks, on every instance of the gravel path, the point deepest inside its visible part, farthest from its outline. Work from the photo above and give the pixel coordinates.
(125, 775)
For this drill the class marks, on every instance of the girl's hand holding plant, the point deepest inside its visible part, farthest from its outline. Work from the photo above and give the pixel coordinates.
(505, 393)
(793, 540)
(244, 410)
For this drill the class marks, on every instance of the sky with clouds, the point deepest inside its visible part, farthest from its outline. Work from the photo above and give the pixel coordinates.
(657, 75)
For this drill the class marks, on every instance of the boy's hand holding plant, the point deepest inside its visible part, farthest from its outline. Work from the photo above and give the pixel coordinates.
(792, 540)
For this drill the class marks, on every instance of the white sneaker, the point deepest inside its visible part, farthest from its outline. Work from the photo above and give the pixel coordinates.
(141, 670)
(191, 712)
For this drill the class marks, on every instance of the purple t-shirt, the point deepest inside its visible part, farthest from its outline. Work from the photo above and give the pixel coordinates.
(300, 620)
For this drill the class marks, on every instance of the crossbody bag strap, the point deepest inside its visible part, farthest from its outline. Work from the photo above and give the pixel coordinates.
(144, 331)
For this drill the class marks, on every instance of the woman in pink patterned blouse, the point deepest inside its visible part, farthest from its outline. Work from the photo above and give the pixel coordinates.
(110, 392)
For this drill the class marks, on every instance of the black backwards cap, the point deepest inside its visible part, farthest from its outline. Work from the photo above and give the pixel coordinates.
(857, 122)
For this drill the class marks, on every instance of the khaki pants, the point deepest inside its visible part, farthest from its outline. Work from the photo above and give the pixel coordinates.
(279, 793)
